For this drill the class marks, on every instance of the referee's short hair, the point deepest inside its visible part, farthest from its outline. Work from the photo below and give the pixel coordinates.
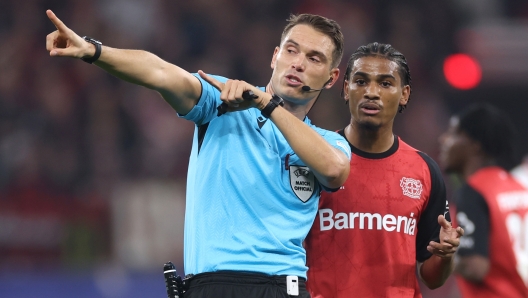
(324, 25)
(494, 130)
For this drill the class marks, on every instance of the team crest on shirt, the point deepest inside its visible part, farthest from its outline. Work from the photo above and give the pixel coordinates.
(302, 182)
(411, 187)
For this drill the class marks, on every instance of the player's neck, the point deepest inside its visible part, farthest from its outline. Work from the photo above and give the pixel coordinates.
(370, 140)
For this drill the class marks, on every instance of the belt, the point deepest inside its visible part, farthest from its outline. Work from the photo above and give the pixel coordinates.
(240, 277)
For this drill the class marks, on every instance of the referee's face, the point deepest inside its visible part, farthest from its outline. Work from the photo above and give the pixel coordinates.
(304, 58)
(374, 91)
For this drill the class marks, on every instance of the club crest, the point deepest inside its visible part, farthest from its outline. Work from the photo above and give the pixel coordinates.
(302, 182)
(411, 187)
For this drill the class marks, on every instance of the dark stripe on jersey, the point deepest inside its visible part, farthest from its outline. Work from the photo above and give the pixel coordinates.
(428, 227)
(202, 129)
(391, 151)
(474, 205)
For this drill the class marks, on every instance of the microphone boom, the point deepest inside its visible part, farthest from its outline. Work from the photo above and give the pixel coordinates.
(308, 89)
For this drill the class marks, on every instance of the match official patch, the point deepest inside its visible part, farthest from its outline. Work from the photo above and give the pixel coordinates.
(302, 182)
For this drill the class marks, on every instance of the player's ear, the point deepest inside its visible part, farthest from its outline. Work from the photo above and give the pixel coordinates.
(406, 93)
(475, 147)
(345, 90)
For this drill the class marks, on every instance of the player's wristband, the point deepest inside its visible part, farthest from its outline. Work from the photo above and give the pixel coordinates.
(274, 102)
(98, 46)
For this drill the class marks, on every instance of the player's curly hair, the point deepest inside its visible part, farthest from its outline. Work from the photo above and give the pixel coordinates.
(388, 52)
(324, 25)
(493, 130)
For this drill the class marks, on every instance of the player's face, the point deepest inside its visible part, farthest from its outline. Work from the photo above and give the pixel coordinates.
(374, 92)
(455, 148)
(303, 59)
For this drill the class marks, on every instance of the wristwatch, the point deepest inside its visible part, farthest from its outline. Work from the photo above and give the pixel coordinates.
(97, 45)
(274, 102)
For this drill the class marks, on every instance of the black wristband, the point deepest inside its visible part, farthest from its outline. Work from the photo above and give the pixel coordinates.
(274, 102)
(98, 46)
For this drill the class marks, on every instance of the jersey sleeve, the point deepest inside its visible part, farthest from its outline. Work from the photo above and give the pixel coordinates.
(428, 227)
(473, 216)
(205, 109)
(337, 141)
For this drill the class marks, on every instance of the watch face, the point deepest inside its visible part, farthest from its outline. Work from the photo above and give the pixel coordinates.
(91, 40)
(278, 100)
(98, 46)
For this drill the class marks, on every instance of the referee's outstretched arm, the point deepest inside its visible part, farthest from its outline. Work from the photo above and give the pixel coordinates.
(177, 86)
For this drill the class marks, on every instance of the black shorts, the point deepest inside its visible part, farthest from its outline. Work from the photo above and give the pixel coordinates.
(234, 284)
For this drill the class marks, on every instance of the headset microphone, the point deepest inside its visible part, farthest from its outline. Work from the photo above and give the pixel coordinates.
(308, 89)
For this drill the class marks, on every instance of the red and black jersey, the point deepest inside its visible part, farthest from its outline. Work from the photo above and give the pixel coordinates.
(367, 236)
(493, 210)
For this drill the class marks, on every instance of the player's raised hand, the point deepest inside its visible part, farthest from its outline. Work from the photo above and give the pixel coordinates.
(449, 239)
(64, 42)
(231, 93)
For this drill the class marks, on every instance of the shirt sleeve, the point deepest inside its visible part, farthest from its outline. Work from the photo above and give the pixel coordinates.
(205, 109)
(337, 141)
(473, 216)
(428, 227)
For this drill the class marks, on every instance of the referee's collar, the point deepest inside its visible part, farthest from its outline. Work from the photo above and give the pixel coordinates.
(356, 151)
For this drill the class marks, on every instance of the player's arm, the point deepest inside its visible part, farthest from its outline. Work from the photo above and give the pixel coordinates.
(177, 86)
(329, 165)
(473, 215)
(437, 241)
(435, 270)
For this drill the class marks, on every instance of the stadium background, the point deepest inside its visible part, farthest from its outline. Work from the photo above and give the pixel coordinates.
(92, 169)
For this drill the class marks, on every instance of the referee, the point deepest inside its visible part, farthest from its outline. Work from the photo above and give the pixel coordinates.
(256, 172)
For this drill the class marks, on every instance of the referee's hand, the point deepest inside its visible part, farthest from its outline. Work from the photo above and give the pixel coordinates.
(65, 43)
(232, 93)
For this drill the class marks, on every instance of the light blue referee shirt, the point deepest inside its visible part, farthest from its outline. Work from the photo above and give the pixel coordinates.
(250, 200)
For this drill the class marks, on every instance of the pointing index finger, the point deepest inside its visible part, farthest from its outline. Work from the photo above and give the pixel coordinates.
(214, 82)
(56, 21)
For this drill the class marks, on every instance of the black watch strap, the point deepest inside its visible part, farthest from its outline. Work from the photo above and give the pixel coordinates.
(98, 45)
(272, 105)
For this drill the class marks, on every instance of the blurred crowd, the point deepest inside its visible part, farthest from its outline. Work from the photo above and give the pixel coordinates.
(74, 141)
